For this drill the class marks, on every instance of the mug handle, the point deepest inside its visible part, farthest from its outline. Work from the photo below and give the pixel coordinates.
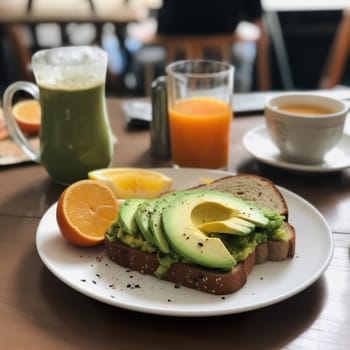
(14, 130)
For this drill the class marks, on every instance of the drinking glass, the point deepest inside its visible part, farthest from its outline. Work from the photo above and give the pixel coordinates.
(200, 112)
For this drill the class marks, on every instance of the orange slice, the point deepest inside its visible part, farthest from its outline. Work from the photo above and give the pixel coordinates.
(133, 182)
(85, 210)
(28, 115)
(4, 134)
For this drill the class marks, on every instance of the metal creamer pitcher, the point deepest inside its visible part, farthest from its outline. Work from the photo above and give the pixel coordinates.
(159, 127)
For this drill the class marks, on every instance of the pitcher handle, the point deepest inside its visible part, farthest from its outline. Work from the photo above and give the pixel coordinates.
(14, 130)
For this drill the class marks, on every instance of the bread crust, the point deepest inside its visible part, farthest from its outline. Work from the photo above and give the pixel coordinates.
(199, 278)
(254, 188)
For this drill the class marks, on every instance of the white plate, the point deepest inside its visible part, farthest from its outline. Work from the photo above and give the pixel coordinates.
(258, 144)
(89, 271)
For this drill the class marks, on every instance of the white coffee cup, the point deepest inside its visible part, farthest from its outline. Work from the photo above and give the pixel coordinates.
(305, 126)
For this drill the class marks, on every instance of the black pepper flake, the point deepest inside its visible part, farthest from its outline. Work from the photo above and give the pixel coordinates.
(261, 278)
(200, 244)
(133, 286)
(223, 298)
(93, 281)
(169, 300)
(177, 286)
(98, 275)
(83, 280)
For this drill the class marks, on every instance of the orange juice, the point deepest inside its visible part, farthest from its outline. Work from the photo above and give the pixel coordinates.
(200, 131)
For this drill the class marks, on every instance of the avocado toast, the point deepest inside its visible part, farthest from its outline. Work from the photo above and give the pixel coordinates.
(207, 238)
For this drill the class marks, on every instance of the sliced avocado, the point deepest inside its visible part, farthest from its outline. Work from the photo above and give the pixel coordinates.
(253, 214)
(127, 215)
(143, 217)
(183, 216)
(209, 212)
(156, 223)
(234, 226)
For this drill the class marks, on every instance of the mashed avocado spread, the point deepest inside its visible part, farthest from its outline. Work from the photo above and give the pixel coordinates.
(239, 244)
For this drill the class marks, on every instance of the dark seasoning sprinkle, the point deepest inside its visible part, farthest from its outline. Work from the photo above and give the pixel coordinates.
(133, 286)
(129, 286)
(111, 285)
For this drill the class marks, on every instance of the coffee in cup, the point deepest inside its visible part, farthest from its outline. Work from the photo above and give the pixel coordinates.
(305, 126)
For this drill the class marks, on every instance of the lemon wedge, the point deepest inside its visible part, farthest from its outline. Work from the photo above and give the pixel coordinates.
(133, 182)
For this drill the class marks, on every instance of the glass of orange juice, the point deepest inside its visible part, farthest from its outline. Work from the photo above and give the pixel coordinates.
(200, 112)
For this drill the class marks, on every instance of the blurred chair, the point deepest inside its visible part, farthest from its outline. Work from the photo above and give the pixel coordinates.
(196, 47)
(21, 50)
(339, 52)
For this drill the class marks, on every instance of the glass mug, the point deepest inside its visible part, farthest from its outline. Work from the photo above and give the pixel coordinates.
(200, 96)
(75, 135)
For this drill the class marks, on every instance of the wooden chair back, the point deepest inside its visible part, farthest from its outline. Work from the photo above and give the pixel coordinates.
(195, 47)
(338, 54)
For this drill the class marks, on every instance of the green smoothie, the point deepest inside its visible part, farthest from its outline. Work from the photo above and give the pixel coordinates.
(75, 136)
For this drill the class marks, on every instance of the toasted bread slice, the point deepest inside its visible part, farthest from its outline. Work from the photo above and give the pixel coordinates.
(260, 191)
(255, 189)
(199, 278)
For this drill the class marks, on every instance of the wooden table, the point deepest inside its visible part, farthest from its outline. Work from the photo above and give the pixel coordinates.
(38, 311)
(64, 12)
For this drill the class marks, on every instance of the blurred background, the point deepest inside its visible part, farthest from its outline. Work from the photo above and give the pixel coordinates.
(306, 42)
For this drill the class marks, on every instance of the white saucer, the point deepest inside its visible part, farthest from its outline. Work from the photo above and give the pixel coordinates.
(258, 144)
